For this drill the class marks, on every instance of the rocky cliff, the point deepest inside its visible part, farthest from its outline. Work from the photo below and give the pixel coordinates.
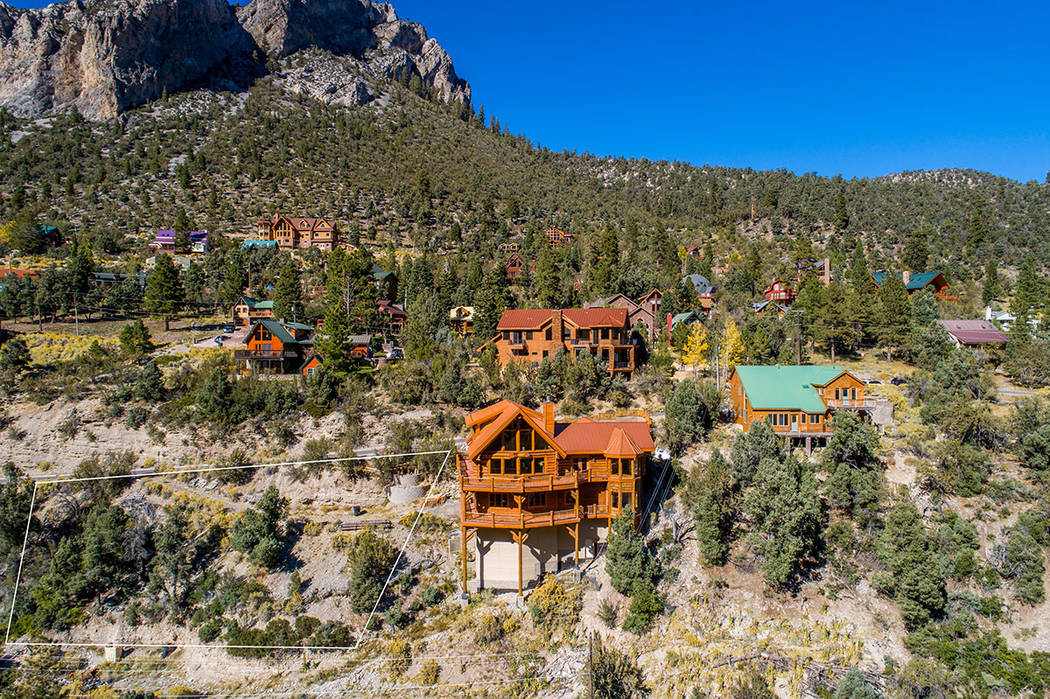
(106, 56)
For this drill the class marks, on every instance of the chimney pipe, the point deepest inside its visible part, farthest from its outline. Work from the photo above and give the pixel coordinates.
(548, 417)
(907, 277)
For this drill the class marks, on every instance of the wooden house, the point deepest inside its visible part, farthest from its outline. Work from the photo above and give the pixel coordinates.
(780, 292)
(391, 316)
(537, 495)
(637, 312)
(248, 310)
(796, 401)
(933, 281)
(461, 320)
(556, 236)
(514, 267)
(529, 336)
(312, 365)
(291, 233)
(275, 347)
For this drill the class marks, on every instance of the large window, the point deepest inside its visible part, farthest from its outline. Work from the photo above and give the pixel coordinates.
(537, 500)
(499, 500)
(519, 436)
(621, 467)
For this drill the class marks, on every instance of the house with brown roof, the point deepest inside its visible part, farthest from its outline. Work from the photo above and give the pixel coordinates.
(532, 335)
(514, 267)
(974, 333)
(461, 320)
(537, 495)
(291, 233)
(643, 311)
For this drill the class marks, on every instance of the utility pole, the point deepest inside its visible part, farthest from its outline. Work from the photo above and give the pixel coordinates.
(76, 315)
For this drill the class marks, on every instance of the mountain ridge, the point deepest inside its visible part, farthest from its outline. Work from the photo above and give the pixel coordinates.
(104, 57)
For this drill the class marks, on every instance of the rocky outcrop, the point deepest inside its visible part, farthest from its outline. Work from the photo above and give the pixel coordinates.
(380, 45)
(105, 56)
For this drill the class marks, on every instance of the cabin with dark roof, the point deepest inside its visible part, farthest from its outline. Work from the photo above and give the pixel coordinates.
(275, 347)
(932, 281)
(537, 495)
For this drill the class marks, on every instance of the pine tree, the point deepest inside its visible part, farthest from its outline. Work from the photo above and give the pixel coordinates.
(491, 302)
(894, 312)
(710, 492)
(916, 574)
(627, 560)
(687, 417)
(993, 288)
(288, 292)
(916, 252)
(1026, 296)
(786, 509)
(164, 294)
(852, 462)
(841, 215)
(234, 281)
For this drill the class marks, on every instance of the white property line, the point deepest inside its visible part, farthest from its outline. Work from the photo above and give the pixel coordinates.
(175, 472)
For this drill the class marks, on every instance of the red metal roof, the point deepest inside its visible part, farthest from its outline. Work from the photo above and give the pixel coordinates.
(974, 332)
(586, 436)
(532, 318)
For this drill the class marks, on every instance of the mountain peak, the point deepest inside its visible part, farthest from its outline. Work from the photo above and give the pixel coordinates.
(107, 56)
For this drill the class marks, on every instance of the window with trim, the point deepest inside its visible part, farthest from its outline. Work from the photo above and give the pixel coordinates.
(499, 500)
(614, 500)
(537, 500)
(625, 500)
(547, 334)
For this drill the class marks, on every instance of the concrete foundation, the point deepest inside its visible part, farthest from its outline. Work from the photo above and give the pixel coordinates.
(546, 550)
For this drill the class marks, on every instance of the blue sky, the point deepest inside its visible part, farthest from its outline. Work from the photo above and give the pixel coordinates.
(858, 88)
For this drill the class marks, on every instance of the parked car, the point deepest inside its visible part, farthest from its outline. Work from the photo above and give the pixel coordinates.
(229, 328)
(873, 382)
(898, 380)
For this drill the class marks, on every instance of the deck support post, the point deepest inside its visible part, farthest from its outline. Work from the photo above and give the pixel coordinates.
(520, 537)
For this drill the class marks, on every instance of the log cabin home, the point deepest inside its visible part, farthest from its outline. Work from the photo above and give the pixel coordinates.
(291, 233)
(530, 336)
(933, 281)
(537, 495)
(248, 310)
(461, 320)
(796, 401)
(390, 316)
(514, 267)
(556, 236)
(275, 347)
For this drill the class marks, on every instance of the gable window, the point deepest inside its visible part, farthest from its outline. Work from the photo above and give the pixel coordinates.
(265, 334)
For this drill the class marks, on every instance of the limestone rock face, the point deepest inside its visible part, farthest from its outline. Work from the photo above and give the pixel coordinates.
(380, 45)
(105, 56)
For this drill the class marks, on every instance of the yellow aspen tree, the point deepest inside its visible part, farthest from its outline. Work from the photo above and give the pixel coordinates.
(696, 348)
(732, 350)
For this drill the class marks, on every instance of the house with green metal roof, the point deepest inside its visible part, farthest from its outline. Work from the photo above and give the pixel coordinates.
(248, 310)
(796, 401)
(275, 347)
(933, 281)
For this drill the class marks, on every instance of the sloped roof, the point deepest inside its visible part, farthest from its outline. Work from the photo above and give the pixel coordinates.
(685, 318)
(621, 446)
(701, 283)
(915, 281)
(585, 436)
(532, 318)
(974, 332)
(497, 417)
(787, 387)
(256, 304)
(461, 313)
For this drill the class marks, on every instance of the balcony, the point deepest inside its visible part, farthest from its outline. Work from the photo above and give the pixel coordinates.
(535, 483)
(529, 520)
(846, 404)
(265, 355)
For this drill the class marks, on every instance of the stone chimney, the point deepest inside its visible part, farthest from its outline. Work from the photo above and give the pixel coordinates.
(907, 277)
(556, 327)
(548, 417)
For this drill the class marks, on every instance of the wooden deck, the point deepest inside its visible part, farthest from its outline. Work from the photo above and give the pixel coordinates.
(531, 520)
